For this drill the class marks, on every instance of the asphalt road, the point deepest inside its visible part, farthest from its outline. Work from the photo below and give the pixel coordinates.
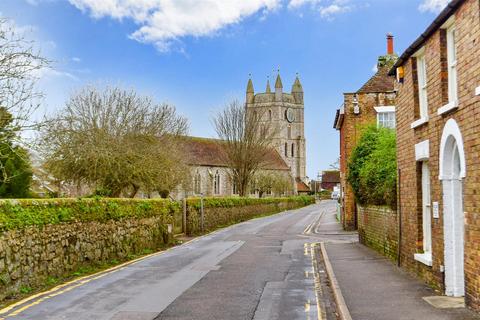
(260, 269)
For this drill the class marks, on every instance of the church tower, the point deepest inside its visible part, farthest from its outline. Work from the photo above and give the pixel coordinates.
(285, 111)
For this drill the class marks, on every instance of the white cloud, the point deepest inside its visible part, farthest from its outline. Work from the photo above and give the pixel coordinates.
(165, 22)
(434, 6)
(328, 9)
(76, 59)
(293, 4)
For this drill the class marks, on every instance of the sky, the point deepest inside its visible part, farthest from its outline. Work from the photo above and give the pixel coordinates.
(197, 54)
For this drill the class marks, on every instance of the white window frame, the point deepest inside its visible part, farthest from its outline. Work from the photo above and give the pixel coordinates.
(386, 110)
(426, 256)
(422, 85)
(451, 68)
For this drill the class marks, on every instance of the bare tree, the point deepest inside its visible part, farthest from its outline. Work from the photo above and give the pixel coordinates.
(268, 182)
(246, 142)
(115, 140)
(20, 64)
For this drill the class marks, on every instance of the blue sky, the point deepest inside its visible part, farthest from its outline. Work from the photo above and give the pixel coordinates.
(197, 54)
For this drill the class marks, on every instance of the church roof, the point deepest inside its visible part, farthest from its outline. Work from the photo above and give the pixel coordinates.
(209, 152)
(379, 82)
(302, 186)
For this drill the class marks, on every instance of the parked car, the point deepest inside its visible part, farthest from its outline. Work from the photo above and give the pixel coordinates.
(335, 195)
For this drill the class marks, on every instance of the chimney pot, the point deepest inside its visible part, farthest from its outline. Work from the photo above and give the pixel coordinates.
(390, 44)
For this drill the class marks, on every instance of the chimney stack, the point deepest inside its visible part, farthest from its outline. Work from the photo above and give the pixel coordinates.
(389, 44)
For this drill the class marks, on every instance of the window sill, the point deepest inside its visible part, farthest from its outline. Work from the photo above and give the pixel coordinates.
(419, 122)
(425, 258)
(477, 91)
(448, 107)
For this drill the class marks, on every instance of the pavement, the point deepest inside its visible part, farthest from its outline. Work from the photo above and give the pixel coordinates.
(376, 289)
(264, 269)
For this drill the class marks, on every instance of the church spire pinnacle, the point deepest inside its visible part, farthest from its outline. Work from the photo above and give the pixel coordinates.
(297, 86)
(250, 84)
(268, 90)
(278, 82)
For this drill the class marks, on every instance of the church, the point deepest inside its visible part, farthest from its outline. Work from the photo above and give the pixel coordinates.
(282, 110)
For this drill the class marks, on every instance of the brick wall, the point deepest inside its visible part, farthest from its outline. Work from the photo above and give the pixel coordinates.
(378, 229)
(467, 116)
(350, 133)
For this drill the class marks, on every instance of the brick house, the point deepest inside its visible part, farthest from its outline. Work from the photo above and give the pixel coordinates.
(438, 147)
(373, 102)
(330, 179)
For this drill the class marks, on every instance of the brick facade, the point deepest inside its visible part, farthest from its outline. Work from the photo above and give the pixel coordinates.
(378, 91)
(466, 116)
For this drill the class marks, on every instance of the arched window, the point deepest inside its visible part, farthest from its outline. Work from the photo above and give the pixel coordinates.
(197, 184)
(270, 115)
(216, 183)
(286, 149)
(234, 186)
(293, 149)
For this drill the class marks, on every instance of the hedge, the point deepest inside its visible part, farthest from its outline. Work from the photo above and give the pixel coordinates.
(218, 211)
(372, 168)
(19, 214)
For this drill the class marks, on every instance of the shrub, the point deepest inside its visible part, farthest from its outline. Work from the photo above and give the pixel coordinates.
(372, 169)
(18, 214)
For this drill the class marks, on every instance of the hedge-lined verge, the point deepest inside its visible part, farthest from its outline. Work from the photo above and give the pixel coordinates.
(221, 212)
(49, 239)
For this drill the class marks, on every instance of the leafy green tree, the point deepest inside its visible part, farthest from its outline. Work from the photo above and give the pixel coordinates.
(16, 173)
(372, 169)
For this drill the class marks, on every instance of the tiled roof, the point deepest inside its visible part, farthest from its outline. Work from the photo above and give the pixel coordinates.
(302, 186)
(209, 152)
(380, 82)
(434, 26)
(331, 176)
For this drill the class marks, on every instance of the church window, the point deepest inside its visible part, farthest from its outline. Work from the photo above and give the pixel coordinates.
(234, 186)
(293, 149)
(286, 149)
(216, 183)
(197, 184)
(270, 115)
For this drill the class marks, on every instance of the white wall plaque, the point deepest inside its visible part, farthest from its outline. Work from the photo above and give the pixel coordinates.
(436, 214)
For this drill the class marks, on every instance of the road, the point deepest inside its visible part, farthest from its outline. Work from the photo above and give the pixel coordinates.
(261, 269)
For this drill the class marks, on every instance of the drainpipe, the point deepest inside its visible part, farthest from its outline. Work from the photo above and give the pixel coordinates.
(399, 212)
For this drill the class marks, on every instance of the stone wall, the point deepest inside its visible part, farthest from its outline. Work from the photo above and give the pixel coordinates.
(378, 229)
(218, 215)
(28, 257)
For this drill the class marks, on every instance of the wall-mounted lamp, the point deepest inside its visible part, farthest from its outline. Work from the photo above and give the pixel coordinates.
(356, 108)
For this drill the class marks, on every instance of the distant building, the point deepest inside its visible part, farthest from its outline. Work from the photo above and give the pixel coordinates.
(281, 110)
(373, 102)
(210, 172)
(330, 179)
(285, 112)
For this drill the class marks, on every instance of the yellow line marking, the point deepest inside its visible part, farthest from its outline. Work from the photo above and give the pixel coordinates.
(6, 312)
(316, 280)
